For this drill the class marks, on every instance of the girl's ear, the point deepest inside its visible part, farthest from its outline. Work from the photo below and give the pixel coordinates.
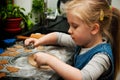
(95, 28)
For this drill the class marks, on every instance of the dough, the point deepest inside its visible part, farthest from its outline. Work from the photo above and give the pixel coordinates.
(33, 63)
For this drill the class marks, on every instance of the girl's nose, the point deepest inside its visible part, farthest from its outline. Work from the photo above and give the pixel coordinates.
(69, 30)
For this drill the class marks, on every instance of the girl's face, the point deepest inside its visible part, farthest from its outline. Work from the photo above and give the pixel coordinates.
(79, 31)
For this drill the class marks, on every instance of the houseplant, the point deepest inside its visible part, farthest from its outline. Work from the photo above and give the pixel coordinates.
(2, 4)
(38, 9)
(11, 13)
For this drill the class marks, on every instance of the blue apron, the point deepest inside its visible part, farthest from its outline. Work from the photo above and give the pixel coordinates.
(80, 60)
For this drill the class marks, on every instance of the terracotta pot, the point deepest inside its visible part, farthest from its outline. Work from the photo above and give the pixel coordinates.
(12, 25)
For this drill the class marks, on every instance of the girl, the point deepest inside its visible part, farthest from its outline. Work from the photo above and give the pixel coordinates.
(91, 22)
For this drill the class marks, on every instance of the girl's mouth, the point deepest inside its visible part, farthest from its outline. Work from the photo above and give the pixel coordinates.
(72, 37)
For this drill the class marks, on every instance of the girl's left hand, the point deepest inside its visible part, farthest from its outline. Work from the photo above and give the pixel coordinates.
(42, 58)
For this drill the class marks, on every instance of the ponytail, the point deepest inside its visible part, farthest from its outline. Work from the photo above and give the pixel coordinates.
(115, 32)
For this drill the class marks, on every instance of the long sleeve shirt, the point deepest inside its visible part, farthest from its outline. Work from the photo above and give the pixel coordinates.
(99, 64)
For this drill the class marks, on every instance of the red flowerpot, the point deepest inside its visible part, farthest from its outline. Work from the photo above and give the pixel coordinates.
(12, 25)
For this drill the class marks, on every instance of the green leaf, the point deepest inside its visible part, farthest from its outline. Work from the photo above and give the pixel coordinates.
(29, 24)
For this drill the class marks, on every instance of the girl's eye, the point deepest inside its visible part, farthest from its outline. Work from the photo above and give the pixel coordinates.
(74, 26)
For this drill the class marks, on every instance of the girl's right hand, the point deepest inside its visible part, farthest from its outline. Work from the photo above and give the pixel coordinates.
(31, 40)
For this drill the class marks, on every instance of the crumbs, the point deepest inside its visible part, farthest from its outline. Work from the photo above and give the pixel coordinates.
(7, 53)
(40, 48)
(1, 67)
(12, 69)
(3, 62)
(11, 49)
(2, 74)
(27, 50)
(18, 46)
(8, 56)
(9, 68)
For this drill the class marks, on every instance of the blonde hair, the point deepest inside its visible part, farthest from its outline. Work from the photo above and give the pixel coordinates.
(100, 11)
(89, 11)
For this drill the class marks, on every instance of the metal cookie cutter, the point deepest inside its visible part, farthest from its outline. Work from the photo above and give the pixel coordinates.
(30, 46)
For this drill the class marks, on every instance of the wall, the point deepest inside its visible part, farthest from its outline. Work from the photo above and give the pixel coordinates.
(27, 4)
(52, 4)
(116, 3)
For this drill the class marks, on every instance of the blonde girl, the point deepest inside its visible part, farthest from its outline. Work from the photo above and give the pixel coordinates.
(94, 32)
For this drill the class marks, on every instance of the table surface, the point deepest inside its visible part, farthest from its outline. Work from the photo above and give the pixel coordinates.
(26, 70)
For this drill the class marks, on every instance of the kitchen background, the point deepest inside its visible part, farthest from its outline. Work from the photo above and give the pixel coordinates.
(52, 4)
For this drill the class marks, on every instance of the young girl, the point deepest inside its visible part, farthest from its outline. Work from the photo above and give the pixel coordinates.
(91, 22)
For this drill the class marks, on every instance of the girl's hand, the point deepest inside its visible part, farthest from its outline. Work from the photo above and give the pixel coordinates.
(42, 58)
(31, 40)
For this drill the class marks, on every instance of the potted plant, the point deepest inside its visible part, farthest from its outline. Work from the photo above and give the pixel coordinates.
(38, 9)
(2, 4)
(13, 16)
